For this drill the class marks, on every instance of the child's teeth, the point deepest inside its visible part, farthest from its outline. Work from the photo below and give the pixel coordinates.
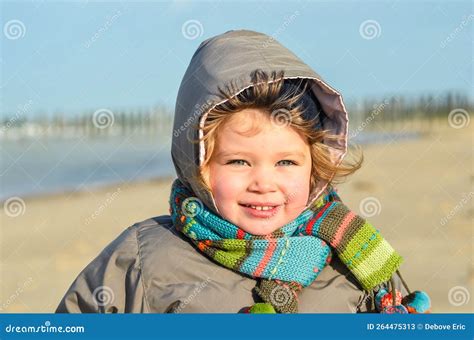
(260, 207)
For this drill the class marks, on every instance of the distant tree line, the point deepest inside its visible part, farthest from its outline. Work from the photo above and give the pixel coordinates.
(390, 113)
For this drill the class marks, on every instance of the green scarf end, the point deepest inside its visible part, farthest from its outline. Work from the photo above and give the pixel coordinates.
(262, 308)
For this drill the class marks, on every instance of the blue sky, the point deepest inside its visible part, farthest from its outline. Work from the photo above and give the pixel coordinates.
(76, 56)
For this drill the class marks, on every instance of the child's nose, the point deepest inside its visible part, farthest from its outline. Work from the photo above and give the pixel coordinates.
(262, 180)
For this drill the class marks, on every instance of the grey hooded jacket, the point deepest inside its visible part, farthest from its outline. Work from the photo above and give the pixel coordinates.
(150, 267)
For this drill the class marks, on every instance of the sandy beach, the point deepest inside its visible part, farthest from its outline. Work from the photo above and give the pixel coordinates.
(417, 192)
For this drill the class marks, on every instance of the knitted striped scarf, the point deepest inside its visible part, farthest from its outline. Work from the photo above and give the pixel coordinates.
(291, 257)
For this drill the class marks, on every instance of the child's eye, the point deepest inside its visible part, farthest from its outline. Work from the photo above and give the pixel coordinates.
(236, 161)
(288, 162)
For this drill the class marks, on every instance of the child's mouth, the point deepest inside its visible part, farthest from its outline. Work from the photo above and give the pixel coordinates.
(261, 211)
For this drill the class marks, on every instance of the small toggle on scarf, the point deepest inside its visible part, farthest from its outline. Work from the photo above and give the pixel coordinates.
(291, 257)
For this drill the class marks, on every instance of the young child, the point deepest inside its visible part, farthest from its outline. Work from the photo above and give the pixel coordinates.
(255, 224)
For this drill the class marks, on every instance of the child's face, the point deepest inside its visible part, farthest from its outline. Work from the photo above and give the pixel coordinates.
(270, 166)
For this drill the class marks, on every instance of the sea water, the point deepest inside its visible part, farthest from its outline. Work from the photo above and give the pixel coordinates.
(35, 166)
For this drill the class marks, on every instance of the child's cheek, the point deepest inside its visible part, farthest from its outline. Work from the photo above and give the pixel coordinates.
(297, 183)
(227, 185)
(296, 189)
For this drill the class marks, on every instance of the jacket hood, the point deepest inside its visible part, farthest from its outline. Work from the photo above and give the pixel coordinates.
(232, 57)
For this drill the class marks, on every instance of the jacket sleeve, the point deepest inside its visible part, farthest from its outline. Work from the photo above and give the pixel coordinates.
(366, 302)
(111, 283)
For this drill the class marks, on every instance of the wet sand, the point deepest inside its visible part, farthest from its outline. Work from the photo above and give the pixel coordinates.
(417, 192)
